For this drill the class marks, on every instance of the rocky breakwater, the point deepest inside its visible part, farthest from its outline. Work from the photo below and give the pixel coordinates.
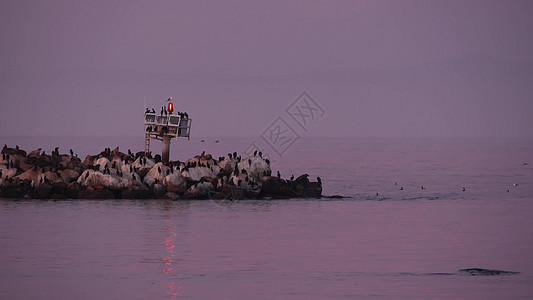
(112, 174)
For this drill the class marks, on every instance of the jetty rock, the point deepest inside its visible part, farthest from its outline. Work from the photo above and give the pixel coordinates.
(112, 174)
(156, 174)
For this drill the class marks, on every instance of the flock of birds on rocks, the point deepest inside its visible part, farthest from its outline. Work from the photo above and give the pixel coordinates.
(114, 174)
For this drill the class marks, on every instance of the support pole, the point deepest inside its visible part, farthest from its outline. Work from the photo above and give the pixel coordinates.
(166, 148)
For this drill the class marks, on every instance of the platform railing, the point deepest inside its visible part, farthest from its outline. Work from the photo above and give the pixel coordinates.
(173, 125)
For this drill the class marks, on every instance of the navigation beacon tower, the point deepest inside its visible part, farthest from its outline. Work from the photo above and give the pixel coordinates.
(164, 127)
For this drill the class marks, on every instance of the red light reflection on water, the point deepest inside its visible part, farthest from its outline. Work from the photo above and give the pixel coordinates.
(170, 259)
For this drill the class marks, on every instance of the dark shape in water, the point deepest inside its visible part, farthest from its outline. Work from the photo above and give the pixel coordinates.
(485, 272)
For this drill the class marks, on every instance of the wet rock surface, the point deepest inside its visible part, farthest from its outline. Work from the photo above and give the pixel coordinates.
(112, 174)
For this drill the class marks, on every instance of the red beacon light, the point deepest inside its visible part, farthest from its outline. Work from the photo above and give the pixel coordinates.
(170, 107)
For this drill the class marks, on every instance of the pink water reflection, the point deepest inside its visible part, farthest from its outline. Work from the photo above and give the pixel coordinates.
(174, 288)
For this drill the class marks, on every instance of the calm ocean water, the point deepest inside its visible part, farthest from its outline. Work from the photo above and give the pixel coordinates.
(382, 242)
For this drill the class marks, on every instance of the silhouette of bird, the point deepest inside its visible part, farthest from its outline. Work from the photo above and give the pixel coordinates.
(279, 175)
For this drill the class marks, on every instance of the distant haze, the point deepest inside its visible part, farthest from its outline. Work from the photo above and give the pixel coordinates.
(376, 68)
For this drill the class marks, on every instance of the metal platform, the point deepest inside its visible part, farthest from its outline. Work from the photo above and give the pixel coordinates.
(163, 127)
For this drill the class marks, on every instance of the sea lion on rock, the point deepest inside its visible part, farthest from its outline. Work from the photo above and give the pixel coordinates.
(485, 272)
(35, 153)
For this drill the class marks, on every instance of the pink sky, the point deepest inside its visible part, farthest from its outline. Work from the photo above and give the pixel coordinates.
(377, 68)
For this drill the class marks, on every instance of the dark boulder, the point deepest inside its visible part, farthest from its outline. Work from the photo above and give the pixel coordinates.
(59, 187)
(94, 193)
(277, 188)
(73, 190)
(158, 190)
(12, 191)
(44, 190)
(171, 196)
(136, 192)
(198, 191)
